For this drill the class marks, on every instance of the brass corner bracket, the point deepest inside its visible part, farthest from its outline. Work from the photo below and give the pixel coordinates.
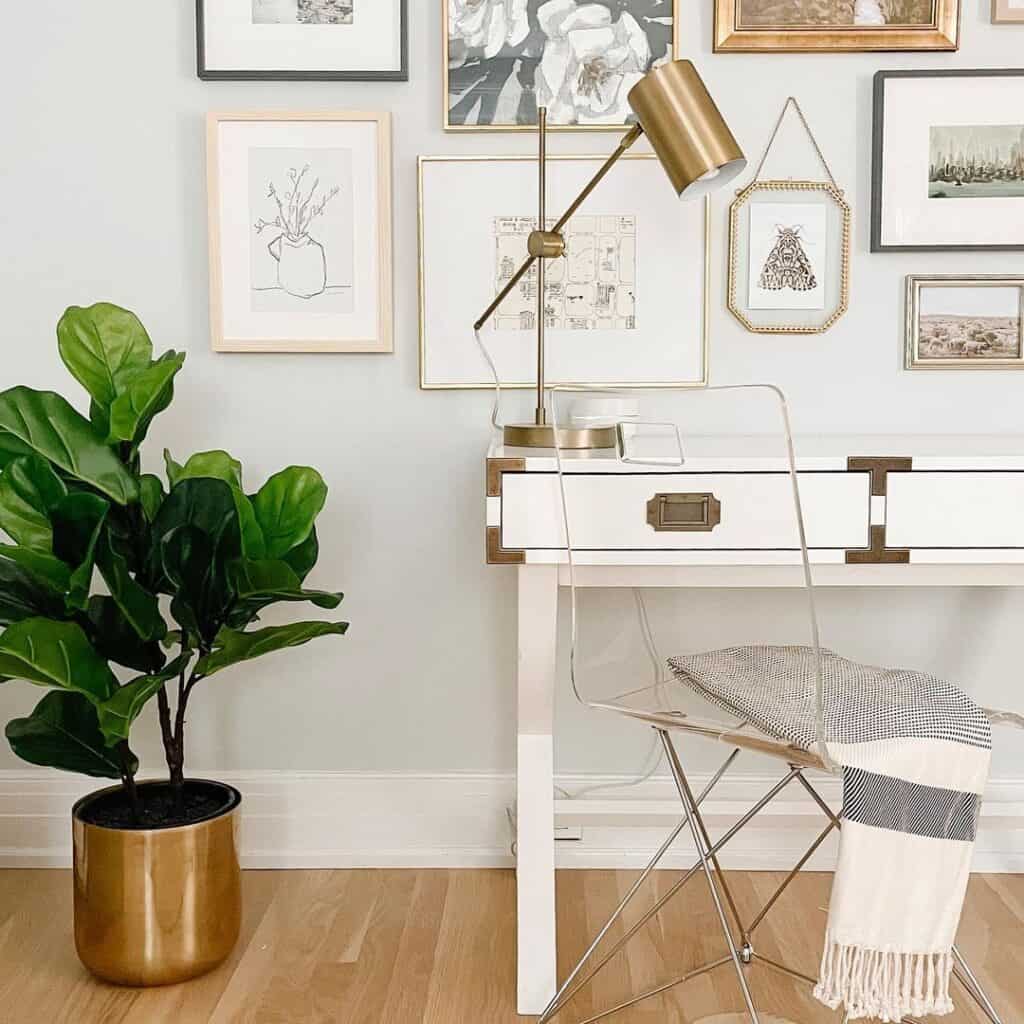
(879, 553)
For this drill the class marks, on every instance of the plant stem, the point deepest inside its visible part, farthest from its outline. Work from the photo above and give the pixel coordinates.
(128, 781)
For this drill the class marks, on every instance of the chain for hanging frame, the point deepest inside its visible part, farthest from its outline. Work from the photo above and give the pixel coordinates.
(782, 280)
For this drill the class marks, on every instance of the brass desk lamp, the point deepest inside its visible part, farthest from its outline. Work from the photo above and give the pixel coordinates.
(698, 152)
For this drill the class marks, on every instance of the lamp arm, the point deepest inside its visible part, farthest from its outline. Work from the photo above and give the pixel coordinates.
(628, 140)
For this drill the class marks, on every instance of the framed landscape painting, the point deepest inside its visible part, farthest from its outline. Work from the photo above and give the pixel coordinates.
(292, 40)
(965, 323)
(948, 165)
(300, 232)
(505, 58)
(792, 26)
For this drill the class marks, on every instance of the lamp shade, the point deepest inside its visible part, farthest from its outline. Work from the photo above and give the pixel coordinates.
(686, 129)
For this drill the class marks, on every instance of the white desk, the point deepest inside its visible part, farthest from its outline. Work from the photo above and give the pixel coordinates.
(910, 511)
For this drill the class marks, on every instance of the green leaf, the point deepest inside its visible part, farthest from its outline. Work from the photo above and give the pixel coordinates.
(63, 732)
(42, 423)
(118, 713)
(78, 521)
(46, 568)
(174, 470)
(146, 395)
(29, 488)
(115, 638)
(233, 647)
(57, 654)
(304, 557)
(269, 581)
(151, 495)
(287, 506)
(196, 537)
(104, 347)
(24, 595)
(140, 607)
(218, 465)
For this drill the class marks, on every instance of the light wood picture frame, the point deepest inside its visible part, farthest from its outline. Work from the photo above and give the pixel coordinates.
(1007, 12)
(300, 231)
(964, 322)
(483, 91)
(752, 26)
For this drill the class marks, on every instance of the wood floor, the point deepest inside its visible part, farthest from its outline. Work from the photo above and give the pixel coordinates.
(405, 947)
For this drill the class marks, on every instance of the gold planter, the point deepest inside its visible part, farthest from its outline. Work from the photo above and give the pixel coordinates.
(157, 906)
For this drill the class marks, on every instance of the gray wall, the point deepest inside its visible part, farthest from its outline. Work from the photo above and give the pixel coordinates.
(103, 185)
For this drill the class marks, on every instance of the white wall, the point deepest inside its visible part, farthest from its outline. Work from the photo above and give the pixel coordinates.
(103, 197)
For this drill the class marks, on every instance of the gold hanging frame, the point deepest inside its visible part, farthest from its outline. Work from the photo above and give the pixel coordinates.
(833, 194)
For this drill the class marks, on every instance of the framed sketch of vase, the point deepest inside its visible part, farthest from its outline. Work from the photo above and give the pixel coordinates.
(503, 59)
(948, 170)
(295, 40)
(627, 305)
(837, 26)
(300, 232)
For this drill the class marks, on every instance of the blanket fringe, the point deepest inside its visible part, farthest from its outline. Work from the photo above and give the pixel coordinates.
(889, 986)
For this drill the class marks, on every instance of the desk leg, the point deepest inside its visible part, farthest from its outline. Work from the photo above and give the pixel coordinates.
(535, 808)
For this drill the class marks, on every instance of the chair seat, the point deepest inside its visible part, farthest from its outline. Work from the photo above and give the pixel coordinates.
(774, 688)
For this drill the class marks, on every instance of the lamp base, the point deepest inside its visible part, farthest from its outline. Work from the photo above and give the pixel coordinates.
(542, 435)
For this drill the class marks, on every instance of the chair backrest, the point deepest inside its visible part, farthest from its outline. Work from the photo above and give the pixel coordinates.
(702, 482)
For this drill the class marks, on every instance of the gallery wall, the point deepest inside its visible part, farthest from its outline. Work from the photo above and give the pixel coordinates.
(104, 197)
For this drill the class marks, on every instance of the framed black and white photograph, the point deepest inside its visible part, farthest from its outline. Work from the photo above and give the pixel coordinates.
(626, 305)
(965, 323)
(294, 40)
(948, 167)
(300, 232)
(505, 58)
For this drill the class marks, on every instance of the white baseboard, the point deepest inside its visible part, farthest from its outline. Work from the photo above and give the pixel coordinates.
(362, 819)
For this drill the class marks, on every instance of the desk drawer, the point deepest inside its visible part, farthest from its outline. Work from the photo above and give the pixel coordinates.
(609, 511)
(956, 509)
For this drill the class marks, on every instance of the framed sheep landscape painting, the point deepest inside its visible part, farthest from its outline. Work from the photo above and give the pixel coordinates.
(505, 58)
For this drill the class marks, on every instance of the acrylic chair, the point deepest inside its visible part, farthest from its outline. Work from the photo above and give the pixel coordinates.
(794, 737)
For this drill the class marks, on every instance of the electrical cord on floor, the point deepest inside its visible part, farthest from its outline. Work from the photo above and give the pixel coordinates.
(655, 753)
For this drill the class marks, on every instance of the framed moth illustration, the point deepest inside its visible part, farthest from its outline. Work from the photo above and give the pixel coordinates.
(789, 256)
(300, 232)
(579, 58)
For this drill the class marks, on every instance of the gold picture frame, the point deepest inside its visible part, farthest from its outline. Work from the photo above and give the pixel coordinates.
(963, 331)
(553, 125)
(378, 226)
(705, 284)
(740, 310)
(735, 34)
(1004, 14)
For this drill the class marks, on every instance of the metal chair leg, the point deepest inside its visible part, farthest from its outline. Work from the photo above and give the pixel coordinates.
(974, 988)
(699, 836)
(559, 998)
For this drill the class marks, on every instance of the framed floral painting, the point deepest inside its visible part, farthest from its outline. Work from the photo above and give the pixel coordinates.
(505, 58)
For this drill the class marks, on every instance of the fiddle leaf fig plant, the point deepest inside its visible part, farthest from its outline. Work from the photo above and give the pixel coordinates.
(119, 588)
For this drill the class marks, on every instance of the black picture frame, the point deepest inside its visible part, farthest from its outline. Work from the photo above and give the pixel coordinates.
(877, 155)
(401, 75)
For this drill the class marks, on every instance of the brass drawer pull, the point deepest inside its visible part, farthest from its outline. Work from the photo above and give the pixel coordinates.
(684, 513)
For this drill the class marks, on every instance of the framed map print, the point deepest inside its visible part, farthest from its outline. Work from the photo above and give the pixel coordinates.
(626, 305)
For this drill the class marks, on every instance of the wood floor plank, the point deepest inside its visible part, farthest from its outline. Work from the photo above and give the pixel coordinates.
(437, 947)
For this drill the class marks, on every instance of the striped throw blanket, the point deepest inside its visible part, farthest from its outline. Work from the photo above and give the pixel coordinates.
(915, 754)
